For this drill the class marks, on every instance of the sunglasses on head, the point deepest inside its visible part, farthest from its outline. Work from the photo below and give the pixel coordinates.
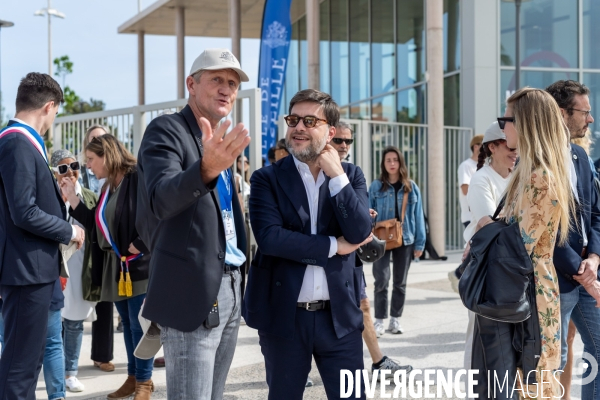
(503, 120)
(340, 141)
(309, 121)
(63, 168)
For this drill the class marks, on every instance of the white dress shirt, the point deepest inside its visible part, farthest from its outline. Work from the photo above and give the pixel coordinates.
(573, 180)
(314, 284)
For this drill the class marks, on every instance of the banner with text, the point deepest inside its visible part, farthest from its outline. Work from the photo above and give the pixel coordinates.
(274, 48)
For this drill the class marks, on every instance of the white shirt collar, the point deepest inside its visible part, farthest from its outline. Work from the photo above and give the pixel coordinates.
(20, 121)
(301, 165)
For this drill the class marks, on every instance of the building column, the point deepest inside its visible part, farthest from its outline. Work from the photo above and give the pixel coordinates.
(435, 120)
(235, 28)
(312, 38)
(141, 69)
(479, 97)
(180, 33)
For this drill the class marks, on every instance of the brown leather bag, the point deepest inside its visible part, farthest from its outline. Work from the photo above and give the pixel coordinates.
(390, 230)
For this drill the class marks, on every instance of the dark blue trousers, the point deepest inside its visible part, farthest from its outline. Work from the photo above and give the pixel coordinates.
(288, 361)
(25, 312)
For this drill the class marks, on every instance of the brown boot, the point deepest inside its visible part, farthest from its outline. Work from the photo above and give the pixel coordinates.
(126, 390)
(143, 390)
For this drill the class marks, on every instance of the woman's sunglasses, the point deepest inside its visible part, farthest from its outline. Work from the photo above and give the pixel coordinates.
(63, 168)
(340, 141)
(310, 121)
(503, 120)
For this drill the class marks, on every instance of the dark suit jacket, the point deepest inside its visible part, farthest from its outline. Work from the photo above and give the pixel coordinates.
(280, 219)
(124, 234)
(32, 215)
(179, 217)
(568, 258)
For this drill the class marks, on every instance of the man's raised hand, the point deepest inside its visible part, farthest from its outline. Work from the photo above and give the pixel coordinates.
(220, 150)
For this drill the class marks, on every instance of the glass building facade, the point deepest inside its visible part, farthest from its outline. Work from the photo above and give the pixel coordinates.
(373, 55)
(557, 42)
(373, 58)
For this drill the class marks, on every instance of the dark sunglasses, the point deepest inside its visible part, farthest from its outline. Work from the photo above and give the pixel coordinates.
(503, 120)
(63, 168)
(340, 141)
(310, 121)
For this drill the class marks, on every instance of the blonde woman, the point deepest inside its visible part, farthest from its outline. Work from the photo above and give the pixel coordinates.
(539, 199)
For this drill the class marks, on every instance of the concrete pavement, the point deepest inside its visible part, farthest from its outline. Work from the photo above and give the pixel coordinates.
(434, 323)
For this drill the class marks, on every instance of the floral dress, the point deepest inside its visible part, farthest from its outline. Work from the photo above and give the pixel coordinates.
(538, 222)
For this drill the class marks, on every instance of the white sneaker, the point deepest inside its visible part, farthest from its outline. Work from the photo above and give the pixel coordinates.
(395, 326)
(379, 329)
(74, 385)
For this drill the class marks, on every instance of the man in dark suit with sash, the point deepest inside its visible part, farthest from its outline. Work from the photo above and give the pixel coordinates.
(32, 225)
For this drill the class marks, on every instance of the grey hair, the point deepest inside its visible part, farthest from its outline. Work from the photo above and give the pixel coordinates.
(344, 125)
(197, 75)
(59, 155)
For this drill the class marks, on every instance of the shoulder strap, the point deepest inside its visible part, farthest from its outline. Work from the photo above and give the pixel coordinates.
(499, 208)
(404, 202)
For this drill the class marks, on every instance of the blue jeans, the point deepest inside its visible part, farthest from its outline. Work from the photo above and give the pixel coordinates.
(198, 362)
(54, 359)
(579, 306)
(132, 333)
(73, 334)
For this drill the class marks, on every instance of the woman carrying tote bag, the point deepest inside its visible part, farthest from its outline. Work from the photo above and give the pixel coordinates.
(399, 207)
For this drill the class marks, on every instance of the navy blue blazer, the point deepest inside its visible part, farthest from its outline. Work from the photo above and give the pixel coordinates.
(32, 215)
(280, 220)
(567, 258)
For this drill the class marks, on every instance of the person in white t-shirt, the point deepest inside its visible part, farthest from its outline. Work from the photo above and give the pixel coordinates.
(465, 171)
(495, 164)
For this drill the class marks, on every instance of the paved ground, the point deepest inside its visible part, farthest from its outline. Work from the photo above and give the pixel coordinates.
(434, 322)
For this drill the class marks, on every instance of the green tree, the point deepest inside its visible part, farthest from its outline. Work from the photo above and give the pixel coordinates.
(73, 103)
(64, 67)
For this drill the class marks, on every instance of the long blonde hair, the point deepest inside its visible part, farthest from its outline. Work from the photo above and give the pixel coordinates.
(543, 144)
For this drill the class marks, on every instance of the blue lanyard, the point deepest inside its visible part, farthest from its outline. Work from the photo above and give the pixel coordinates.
(225, 189)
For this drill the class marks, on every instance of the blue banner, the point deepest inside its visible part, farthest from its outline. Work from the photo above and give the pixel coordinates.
(274, 49)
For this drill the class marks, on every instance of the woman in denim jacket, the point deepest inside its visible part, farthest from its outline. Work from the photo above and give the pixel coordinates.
(386, 196)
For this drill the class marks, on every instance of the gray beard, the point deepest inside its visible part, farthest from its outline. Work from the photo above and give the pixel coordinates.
(310, 153)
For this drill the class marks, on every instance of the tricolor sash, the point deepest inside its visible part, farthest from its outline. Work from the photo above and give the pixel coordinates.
(30, 133)
(125, 286)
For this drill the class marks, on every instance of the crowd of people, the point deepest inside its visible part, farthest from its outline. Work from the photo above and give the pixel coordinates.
(553, 196)
(163, 238)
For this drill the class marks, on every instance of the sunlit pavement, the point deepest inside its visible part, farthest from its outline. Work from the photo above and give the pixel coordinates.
(434, 323)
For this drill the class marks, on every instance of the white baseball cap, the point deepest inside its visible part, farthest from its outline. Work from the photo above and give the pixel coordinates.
(493, 133)
(150, 343)
(215, 59)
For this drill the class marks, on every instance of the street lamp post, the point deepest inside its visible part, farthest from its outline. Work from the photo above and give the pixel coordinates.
(517, 40)
(49, 11)
(3, 24)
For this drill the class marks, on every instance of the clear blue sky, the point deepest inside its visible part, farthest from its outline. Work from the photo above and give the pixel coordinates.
(105, 62)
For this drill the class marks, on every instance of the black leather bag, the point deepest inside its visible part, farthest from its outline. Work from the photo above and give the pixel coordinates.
(497, 273)
(371, 251)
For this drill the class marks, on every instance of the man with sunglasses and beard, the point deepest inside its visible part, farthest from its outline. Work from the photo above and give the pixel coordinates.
(577, 261)
(309, 213)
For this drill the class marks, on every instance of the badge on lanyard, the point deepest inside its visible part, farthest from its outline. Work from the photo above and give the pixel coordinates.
(225, 197)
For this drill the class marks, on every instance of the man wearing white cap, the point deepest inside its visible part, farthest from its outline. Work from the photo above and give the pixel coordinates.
(190, 218)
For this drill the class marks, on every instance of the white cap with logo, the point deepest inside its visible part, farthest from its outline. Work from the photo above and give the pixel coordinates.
(216, 59)
(493, 132)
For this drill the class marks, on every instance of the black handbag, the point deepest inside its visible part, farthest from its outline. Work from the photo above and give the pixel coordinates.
(371, 251)
(497, 273)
